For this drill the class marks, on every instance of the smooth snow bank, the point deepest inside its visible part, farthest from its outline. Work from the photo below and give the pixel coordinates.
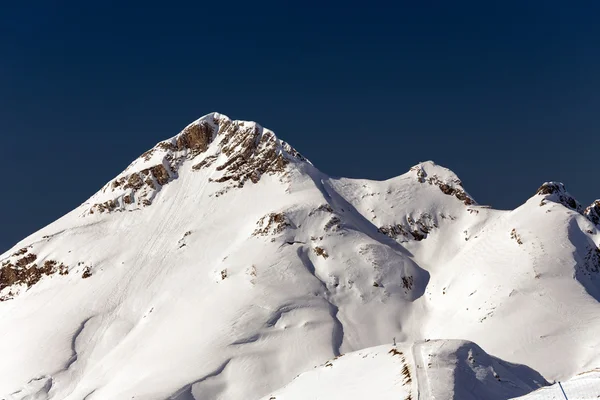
(373, 373)
(439, 369)
(585, 386)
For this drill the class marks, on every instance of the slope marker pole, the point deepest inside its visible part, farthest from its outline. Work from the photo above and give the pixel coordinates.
(563, 390)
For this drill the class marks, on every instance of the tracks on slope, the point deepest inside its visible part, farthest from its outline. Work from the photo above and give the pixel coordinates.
(423, 387)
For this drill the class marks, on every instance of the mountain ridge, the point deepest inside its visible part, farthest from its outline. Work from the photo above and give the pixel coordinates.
(268, 154)
(230, 288)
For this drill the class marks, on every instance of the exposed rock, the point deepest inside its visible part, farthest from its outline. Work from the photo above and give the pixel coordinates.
(455, 190)
(451, 187)
(333, 224)
(321, 252)
(271, 224)
(134, 181)
(107, 206)
(160, 174)
(86, 273)
(28, 259)
(207, 162)
(411, 229)
(196, 137)
(593, 213)
(250, 152)
(24, 272)
(515, 236)
(556, 192)
(591, 261)
(20, 252)
(321, 208)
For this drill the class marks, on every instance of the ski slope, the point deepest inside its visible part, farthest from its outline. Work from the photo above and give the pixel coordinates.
(440, 369)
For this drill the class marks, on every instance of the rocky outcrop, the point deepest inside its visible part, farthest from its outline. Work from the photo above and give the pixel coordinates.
(137, 188)
(593, 213)
(239, 152)
(411, 229)
(556, 192)
(591, 262)
(271, 224)
(20, 270)
(195, 137)
(250, 152)
(449, 186)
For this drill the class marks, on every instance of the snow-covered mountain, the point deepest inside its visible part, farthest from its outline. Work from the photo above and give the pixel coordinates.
(221, 264)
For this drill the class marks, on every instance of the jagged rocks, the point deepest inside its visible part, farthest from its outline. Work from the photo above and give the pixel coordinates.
(408, 282)
(593, 212)
(23, 271)
(334, 224)
(457, 192)
(271, 224)
(591, 261)
(138, 188)
(20, 252)
(556, 192)
(244, 151)
(515, 236)
(321, 252)
(86, 273)
(207, 162)
(195, 137)
(411, 229)
(160, 173)
(451, 187)
(251, 152)
(321, 208)
(107, 206)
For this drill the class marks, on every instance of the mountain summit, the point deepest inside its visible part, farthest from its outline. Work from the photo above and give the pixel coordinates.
(221, 264)
(232, 151)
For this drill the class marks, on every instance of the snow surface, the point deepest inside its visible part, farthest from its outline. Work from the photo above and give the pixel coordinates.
(584, 386)
(209, 293)
(440, 369)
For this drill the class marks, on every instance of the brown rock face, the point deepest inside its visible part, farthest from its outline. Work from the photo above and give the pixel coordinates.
(135, 182)
(160, 174)
(250, 152)
(23, 271)
(195, 137)
(453, 188)
(8, 276)
(28, 259)
(450, 190)
(321, 252)
(271, 224)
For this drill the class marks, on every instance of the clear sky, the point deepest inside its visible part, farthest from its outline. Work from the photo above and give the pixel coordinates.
(504, 93)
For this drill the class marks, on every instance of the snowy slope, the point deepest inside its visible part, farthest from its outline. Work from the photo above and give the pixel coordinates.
(441, 369)
(221, 264)
(584, 386)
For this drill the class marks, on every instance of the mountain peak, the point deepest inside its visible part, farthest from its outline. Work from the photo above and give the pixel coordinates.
(556, 192)
(448, 182)
(232, 152)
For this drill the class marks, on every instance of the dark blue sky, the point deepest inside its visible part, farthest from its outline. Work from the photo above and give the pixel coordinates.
(506, 94)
